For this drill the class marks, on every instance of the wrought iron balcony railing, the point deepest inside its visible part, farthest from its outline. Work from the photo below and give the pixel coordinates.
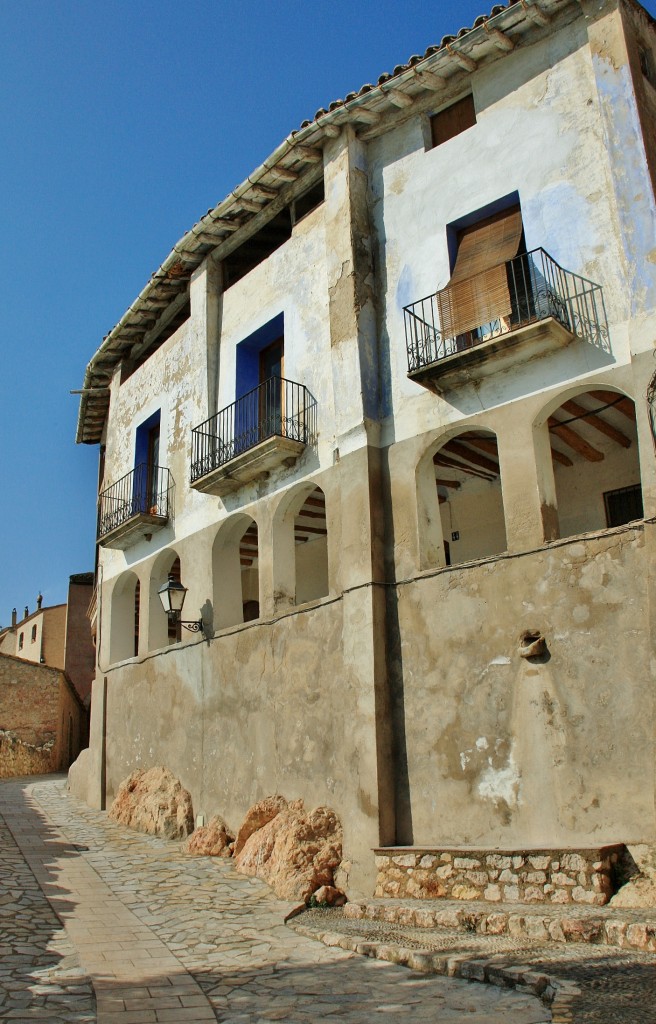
(538, 289)
(142, 492)
(276, 408)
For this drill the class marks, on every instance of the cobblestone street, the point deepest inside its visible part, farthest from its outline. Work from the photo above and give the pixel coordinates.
(152, 935)
(163, 937)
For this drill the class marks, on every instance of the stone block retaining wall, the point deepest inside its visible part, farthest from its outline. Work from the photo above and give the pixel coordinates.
(530, 876)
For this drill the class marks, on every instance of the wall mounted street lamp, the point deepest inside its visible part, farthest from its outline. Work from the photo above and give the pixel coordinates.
(172, 596)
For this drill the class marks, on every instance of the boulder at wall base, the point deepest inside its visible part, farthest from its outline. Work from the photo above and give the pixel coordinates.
(154, 801)
(211, 840)
(257, 816)
(296, 852)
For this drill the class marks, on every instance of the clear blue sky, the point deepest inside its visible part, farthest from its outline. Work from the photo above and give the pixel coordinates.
(121, 123)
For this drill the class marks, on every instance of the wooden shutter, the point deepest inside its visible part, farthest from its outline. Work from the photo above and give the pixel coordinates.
(478, 290)
(453, 120)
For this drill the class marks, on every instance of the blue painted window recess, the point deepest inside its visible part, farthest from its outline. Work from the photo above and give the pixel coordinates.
(147, 488)
(260, 368)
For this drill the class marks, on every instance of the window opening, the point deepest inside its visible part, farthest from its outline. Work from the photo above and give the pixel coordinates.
(137, 603)
(308, 201)
(258, 247)
(623, 505)
(33, 634)
(469, 495)
(172, 629)
(21, 640)
(486, 289)
(311, 548)
(453, 120)
(595, 459)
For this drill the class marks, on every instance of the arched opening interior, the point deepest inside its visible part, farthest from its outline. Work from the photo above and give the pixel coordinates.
(161, 632)
(311, 548)
(468, 490)
(122, 619)
(235, 572)
(137, 611)
(594, 451)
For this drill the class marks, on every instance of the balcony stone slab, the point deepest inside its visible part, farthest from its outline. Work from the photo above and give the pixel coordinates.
(132, 530)
(499, 353)
(253, 464)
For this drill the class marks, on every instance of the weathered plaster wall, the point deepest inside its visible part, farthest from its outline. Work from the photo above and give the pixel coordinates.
(510, 752)
(266, 708)
(578, 199)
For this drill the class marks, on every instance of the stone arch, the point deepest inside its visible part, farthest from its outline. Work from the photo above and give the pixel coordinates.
(235, 571)
(122, 617)
(159, 632)
(589, 434)
(460, 499)
(300, 547)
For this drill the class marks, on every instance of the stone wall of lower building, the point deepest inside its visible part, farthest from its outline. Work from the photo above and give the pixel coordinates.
(530, 876)
(20, 758)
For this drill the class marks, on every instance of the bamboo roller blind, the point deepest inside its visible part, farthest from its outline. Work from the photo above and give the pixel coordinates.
(478, 290)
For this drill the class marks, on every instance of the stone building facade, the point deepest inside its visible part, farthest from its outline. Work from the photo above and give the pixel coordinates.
(42, 719)
(58, 636)
(384, 412)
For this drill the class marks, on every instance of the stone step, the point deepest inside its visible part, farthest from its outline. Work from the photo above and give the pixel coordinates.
(629, 929)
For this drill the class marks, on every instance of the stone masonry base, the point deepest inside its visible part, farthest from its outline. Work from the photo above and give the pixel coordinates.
(583, 876)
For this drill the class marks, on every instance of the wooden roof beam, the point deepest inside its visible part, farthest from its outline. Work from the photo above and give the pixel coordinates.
(619, 402)
(310, 154)
(430, 80)
(249, 204)
(575, 441)
(596, 421)
(561, 457)
(285, 173)
(455, 484)
(535, 12)
(499, 38)
(463, 452)
(444, 460)
(398, 98)
(365, 115)
(461, 58)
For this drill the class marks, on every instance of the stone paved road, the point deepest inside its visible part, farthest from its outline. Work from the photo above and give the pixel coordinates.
(169, 938)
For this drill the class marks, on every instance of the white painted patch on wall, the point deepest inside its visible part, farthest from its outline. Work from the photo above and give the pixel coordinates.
(481, 743)
(500, 660)
(501, 783)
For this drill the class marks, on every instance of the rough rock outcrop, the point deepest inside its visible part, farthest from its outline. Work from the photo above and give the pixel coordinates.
(257, 816)
(211, 840)
(295, 851)
(639, 871)
(154, 801)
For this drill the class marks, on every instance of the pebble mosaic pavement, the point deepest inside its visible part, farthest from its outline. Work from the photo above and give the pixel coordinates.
(163, 937)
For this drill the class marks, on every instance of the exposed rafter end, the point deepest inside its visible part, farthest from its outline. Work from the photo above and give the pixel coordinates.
(536, 13)
(364, 114)
(468, 63)
(331, 130)
(309, 154)
(285, 173)
(398, 98)
(429, 80)
(499, 38)
(248, 204)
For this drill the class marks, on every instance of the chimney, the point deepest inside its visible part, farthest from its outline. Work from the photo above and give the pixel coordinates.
(13, 618)
(39, 601)
(27, 612)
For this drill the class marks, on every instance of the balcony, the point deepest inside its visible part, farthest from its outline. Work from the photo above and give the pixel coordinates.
(268, 427)
(543, 308)
(135, 506)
